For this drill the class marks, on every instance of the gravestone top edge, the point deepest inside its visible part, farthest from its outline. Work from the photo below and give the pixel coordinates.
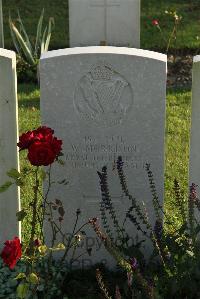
(82, 0)
(7, 53)
(196, 58)
(105, 50)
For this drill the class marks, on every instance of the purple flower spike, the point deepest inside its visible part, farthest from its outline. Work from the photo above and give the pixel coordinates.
(193, 192)
(134, 263)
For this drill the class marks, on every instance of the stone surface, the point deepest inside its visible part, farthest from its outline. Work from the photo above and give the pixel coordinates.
(94, 22)
(1, 27)
(104, 102)
(9, 200)
(194, 172)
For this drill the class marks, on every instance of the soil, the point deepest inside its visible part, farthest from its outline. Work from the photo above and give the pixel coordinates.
(179, 71)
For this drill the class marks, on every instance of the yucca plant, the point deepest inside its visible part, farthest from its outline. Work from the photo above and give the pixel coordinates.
(31, 52)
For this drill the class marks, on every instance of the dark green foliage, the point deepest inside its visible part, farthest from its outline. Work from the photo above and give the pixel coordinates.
(151, 9)
(173, 270)
(30, 11)
(26, 73)
(107, 205)
(5, 186)
(180, 203)
(134, 205)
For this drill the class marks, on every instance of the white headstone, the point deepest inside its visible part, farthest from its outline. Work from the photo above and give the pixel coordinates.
(9, 200)
(194, 173)
(94, 22)
(1, 26)
(104, 102)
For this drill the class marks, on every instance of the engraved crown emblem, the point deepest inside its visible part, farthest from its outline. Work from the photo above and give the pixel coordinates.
(101, 72)
(103, 96)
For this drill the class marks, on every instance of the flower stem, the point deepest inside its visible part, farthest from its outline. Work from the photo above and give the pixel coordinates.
(34, 213)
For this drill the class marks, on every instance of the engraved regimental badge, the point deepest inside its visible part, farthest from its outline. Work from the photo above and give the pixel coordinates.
(103, 96)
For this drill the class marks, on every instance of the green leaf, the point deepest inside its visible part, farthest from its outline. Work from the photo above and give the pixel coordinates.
(13, 173)
(40, 288)
(33, 278)
(22, 43)
(58, 247)
(20, 276)
(5, 186)
(43, 174)
(19, 182)
(39, 33)
(21, 215)
(190, 253)
(15, 42)
(64, 182)
(43, 40)
(61, 211)
(61, 162)
(23, 31)
(42, 249)
(48, 38)
(16, 175)
(22, 290)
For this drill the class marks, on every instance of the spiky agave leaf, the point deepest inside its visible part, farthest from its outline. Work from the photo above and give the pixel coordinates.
(48, 38)
(22, 43)
(39, 33)
(16, 44)
(43, 41)
(23, 32)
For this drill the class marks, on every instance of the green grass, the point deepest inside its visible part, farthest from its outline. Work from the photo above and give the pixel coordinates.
(187, 32)
(29, 119)
(177, 152)
(150, 37)
(177, 140)
(30, 12)
(177, 147)
(29, 107)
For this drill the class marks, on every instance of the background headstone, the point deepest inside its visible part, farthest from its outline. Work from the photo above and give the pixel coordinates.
(94, 22)
(9, 200)
(104, 102)
(194, 172)
(1, 26)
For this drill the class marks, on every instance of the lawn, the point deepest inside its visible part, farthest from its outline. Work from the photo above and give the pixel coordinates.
(177, 147)
(178, 108)
(150, 9)
(29, 118)
(187, 33)
(30, 14)
(176, 159)
(177, 140)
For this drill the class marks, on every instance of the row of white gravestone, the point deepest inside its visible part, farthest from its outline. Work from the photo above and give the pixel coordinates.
(194, 174)
(110, 22)
(9, 201)
(102, 102)
(1, 27)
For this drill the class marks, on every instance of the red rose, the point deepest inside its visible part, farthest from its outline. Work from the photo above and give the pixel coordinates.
(37, 242)
(11, 252)
(155, 23)
(41, 153)
(43, 133)
(43, 147)
(56, 145)
(26, 139)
